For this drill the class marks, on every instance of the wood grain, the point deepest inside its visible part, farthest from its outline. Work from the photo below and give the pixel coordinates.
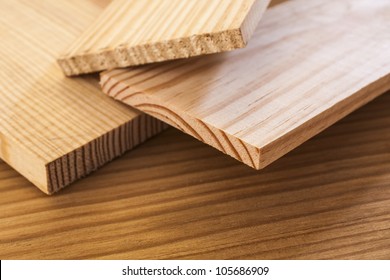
(134, 32)
(308, 65)
(55, 130)
(177, 198)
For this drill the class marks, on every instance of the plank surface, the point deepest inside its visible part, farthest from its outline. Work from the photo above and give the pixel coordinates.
(309, 64)
(54, 130)
(177, 198)
(134, 32)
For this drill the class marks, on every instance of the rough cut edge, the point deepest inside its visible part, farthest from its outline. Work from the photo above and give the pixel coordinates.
(88, 158)
(125, 56)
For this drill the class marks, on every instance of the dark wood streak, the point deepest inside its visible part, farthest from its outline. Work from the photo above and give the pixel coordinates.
(70, 168)
(120, 140)
(75, 164)
(55, 174)
(166, 119)
(247, 152)
(49, 178)
(216, 139)
(83, 159)
(236, 153)
(61, 173)
(187, 127)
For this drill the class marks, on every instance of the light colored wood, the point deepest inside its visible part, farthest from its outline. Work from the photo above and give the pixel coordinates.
(134, 32)
(55, 130)
(175, 198)
(309, 64)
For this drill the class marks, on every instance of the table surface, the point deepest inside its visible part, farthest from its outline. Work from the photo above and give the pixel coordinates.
(176, 198)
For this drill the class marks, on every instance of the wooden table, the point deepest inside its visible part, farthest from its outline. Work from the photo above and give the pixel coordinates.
(175, 197)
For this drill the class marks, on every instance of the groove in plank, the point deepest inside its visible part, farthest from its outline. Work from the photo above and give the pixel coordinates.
(134, 32)
(55, 130)
(308, 65)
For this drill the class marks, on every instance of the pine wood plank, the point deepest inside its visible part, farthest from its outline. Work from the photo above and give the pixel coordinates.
(309, 64)
(175, 198)
(134, 32)
(55, 130)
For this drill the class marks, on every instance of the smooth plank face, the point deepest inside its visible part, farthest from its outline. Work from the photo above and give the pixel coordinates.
(54, 130)
(134, 32)
(309, 64)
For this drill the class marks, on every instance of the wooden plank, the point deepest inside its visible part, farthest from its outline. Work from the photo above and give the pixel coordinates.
(55, 130)
(309, 64)
(175, 198)
(134, 32)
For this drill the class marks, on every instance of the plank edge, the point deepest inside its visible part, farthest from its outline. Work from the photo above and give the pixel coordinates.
(204, 132)
(79, 163)
(179, 48)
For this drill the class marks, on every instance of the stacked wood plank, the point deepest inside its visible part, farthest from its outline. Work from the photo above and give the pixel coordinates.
(133, 32)
(55, 130)
(309, 64)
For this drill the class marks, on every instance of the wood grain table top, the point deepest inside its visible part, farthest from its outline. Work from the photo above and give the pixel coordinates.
(175, 197)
